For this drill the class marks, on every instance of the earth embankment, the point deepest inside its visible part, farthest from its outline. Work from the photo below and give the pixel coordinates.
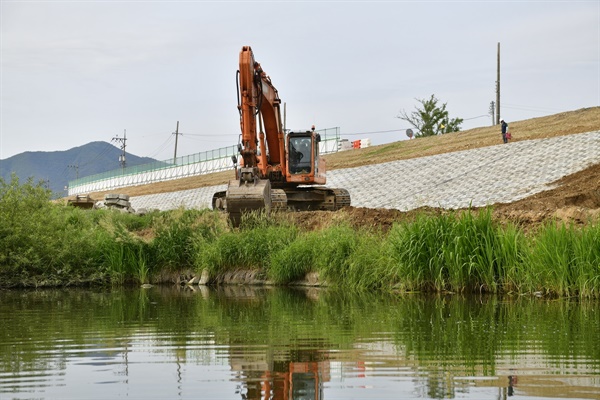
(551, 169)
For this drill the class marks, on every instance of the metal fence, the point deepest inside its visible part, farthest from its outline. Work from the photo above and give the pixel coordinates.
(191, 165)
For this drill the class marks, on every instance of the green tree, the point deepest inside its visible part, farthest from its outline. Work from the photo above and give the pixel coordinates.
(431, 119)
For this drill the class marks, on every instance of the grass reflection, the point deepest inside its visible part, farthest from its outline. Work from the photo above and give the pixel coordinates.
(446, 331)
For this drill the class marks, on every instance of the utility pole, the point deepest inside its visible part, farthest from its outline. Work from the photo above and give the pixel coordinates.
(176, 133)
(123, 142)
(76, 168)
(498, 88)
(492, 109)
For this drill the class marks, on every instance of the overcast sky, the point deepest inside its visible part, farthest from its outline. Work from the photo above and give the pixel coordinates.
(73, 72)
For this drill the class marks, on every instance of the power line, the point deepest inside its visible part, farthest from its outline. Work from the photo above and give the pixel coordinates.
(103, 152)
(162, 146)
(479, 116)
(207, 135)
(402, 129)
(206, 141)
(373, 132)
(530, 108)
(76, 168)
(192, 134)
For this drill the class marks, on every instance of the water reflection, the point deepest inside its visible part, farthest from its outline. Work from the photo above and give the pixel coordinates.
(291, 379)
(241, 342)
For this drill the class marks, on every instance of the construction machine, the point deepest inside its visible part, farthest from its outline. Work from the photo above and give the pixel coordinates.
(277, 170)
(82, 201)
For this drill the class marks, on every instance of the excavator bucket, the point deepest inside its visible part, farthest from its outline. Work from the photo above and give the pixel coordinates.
(243, 197)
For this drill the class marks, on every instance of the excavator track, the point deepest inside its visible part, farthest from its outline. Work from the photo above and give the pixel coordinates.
(278, 200)
(240, 199)
(218, 201)
(342, 198)
(317, 198)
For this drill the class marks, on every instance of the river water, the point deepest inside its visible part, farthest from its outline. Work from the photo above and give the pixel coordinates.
(273, 343)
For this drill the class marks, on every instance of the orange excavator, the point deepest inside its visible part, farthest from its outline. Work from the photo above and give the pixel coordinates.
(278, 170)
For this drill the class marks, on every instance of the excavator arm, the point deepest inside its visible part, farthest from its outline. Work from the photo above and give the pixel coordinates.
(247, 105)
(259, 104)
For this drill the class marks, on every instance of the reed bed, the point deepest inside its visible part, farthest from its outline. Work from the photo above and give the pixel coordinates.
(46, 244)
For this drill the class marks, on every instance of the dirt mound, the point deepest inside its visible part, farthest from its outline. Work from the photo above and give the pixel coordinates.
(370, 218)
(575, 198)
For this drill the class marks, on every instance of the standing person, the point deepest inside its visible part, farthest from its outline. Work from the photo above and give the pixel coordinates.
(504, 126)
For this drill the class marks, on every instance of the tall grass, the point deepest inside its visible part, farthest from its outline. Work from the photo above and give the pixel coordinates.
(142, 270)
(42, 243)
(292, 262)
(123, 255)
(510, 253)
(565, 259)
(368, 267)
(468, 252)
(252, 246)
(175, 234)
(586, 253)
(340, 254)
(334, 248)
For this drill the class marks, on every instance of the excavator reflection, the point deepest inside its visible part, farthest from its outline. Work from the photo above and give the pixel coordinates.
(301, 377)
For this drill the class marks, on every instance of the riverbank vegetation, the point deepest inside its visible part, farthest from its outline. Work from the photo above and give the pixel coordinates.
(48, 244)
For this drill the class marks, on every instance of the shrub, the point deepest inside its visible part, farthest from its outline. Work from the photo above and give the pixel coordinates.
(42, 242)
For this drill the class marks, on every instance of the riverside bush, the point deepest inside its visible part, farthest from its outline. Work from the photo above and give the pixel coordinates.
(586, 252)
(44, 243)
(335, 246)
(341, 255)
(41, 243)
(123, 255)
(416, 251)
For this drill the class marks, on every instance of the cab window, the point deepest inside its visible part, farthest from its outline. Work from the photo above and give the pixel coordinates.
(300, 155)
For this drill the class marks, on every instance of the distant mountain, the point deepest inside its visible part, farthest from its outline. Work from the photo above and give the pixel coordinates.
(56, 168)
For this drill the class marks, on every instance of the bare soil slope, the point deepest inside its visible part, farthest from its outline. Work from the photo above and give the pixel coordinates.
(575, 198)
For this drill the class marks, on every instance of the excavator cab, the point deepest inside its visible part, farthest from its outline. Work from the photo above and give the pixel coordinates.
(300, 154)
(303, 157)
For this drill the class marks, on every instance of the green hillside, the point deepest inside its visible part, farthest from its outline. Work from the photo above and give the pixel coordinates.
(56, 168)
